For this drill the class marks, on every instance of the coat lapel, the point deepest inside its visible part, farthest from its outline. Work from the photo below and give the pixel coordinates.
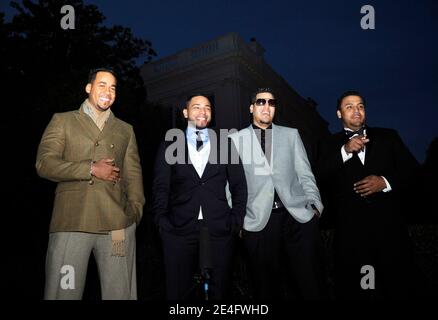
(108, 128)
(91, 128)
(88, 124)
(276, 143)
(214, 156)
(188, 161)
(369, 146)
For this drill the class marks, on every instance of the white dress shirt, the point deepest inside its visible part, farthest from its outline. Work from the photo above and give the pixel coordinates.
(199, 158)
(347, 156)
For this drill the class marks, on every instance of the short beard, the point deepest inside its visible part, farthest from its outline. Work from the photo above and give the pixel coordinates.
(102, 109)
(266, 122)
(193, 124)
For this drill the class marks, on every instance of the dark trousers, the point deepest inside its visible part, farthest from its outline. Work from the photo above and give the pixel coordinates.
(286, 247)
(181, 259)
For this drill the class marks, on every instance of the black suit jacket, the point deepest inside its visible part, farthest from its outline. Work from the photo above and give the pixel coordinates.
(385, 155)
(178, 192)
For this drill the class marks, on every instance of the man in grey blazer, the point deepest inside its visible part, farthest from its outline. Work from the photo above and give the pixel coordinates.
(93, 157)
(280, 231)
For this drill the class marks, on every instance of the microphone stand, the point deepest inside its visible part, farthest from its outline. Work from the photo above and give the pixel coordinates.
(206, 282)
(205, 260)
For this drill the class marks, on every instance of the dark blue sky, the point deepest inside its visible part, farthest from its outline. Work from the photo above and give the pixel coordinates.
(319, 48)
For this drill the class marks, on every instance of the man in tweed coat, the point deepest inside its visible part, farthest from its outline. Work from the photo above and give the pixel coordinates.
(99, 198)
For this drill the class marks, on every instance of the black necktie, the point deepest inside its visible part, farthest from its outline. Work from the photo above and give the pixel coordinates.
(199, 142)
(262, 140)
(352, 133)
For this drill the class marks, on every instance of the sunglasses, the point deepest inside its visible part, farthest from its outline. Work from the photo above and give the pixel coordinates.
(262, 102)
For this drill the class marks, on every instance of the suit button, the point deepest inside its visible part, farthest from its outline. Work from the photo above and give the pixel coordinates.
(97, 143)
(112, 146)
(91, 182)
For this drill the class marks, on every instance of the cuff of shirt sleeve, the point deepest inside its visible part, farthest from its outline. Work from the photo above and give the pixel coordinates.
(388, 186)
(345, 156)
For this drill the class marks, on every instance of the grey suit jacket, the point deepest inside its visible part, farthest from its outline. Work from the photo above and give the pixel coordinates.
(288, 171)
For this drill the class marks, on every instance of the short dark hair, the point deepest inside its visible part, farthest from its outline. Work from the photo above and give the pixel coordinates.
(346, 94)
(191, 96)
(262, 90)
(93, 72)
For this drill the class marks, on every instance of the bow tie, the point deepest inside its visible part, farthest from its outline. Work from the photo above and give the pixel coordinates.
(349, 133)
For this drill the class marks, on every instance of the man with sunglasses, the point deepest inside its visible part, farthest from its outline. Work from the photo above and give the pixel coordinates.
(280, 231)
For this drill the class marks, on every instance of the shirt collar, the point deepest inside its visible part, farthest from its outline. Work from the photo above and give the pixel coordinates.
(256, 127)
(348, 129)
(191, 134)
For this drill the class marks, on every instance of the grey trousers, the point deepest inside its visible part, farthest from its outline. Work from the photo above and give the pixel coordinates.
(67, 261)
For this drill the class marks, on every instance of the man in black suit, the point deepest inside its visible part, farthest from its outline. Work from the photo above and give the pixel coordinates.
(366, 169)
(190, 196)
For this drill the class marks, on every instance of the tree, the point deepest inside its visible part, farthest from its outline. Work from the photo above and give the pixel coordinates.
(48, 66)
(45, 69)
